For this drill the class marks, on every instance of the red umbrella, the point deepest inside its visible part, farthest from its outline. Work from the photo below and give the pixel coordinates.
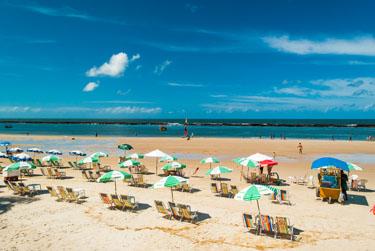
(268, 162)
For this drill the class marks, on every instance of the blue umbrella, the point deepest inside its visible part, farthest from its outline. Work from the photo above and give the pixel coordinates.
(329, 162)
(54, 152)
(5, 143)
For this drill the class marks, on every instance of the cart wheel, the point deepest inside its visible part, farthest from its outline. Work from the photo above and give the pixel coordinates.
(330, 200)
(317, 192)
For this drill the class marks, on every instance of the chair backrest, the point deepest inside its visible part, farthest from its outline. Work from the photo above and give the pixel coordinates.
(116, 200)
(52, 191)
(70, 164)
(105, 198)
(284, 195)
(214, 188)
(43, 171)
(185, 212)
(282, 224)
(160, 207)
(266, 223)
(253, 175)
(185, 187)
(248, 221)
(233, 189)
(62, 192)
(173, 208)
(49, 172)
(224, 188)
(124, 197)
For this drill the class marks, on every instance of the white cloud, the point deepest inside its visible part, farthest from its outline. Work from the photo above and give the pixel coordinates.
(90, 87)
(364, 46)
(115, 67)
(174, 84)
(135, 57)
(159, 69)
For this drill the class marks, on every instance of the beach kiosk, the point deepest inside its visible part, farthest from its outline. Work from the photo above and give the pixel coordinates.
(329, 177)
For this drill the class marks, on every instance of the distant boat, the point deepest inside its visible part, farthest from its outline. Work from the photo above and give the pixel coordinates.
(8, 126)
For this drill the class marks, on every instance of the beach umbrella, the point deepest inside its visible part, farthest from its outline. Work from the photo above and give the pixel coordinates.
(135, 156)
(218, 171)
(170, 181)
(327, 162)
(22, 157)
(50, 158)
(34, 150)
(114, 176)
(15, 150)
(258, 157)
(167, 158)
(249, 163)
(99, 155)
(3, 155)
(54, 152)
(354, 167)
(88, 159)
(237, 161)
(125, 147)
(129, 163)
(254, 192)
(173, 165)
(210, 160)
(77, 153)
(156, 154)
(19, 166)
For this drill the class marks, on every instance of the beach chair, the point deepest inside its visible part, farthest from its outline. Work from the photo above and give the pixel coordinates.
(214, 188)
(64, 194)
(253, 178)
(10, 187)
(361, 185)
(263, 179)
(163, 210)
(267, 225)
(17, 190)
(92, 176)
(50, 173)
(310, 182)
(86, 176)
(251, 224)
(233, 190)
(283, 227)
(129, 202)
(40, 164)
(143, 169)
(73, 196)
(141, 181)
(54, 193)
(284, 197)
(43, 171)
(26, 190)
(59, 174)
(186, 188)
(225, 190)
(174, 210)
(71, 164)
(186, 214)
(117, 202)
(106, 200)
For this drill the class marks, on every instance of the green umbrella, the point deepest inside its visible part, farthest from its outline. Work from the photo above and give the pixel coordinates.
(167, 158)
(50, 158)
(135, 156)
(210, 160)
(218, 171)
(354, 167)
(19, 166)
(114, 176)
(254, 192)
(88, 160)
(249, 163)
(125, 147)
(173, 165)
(170, 181)
(98, 155)
(129, 163)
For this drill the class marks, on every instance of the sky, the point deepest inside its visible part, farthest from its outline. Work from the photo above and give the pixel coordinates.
(201, 59)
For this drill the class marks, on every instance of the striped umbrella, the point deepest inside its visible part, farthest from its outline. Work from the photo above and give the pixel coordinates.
(99, 155)
(354, 167)
(77, 153)
(22, 157)
(249, 163)
(3, 155)
(167, 158)
(219, 170)
(54, 152)
(135, 156)
(254, 192)
(15, 150)
(34, 150)
(50, 158)
(170, 181)
(173, 165)
(210, 160)
(20, 166)
(114, 176)
(129, 163)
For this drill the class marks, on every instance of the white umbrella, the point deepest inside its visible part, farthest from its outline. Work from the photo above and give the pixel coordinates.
(156, 154)
(22, 157)
(54, 152)
(258, 157)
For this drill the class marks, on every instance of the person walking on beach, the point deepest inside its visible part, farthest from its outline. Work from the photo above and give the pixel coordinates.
(300, 148)
(344, 184)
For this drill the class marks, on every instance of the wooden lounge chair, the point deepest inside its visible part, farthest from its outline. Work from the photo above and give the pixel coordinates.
(185, 187)
(117, 202)
(143, 169)
(283, 227)
(214, 188)
(284, 197)
(73, 196)
(71, 164)
(186, 214)
(163, 210)
(129, 202)
(86, 176)
(174, 210)
(59, 174)
(253, 177)
(225, 190)
(251, 224)
(50, 173)
(43, 171)
(26, 190)
(233, 190)
(11, 187)
(267, 225)
(106, 200)
(92, 176)
(18, 190)
(54, 193)
(64, 194)
(39, 163)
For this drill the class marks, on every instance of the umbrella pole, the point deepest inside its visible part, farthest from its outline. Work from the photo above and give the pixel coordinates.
(156, 166)
(172, 194)
(241, 173)
(247, 175)
(116, 188)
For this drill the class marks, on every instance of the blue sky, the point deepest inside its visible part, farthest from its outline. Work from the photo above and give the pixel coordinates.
(209, 59)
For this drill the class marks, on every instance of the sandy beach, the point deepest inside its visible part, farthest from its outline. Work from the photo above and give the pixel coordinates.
(41, 223)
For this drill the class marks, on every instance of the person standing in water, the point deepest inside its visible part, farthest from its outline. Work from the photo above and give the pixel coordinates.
(300, 148)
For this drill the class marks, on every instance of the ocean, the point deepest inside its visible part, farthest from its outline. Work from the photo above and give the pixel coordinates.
(338, 129)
